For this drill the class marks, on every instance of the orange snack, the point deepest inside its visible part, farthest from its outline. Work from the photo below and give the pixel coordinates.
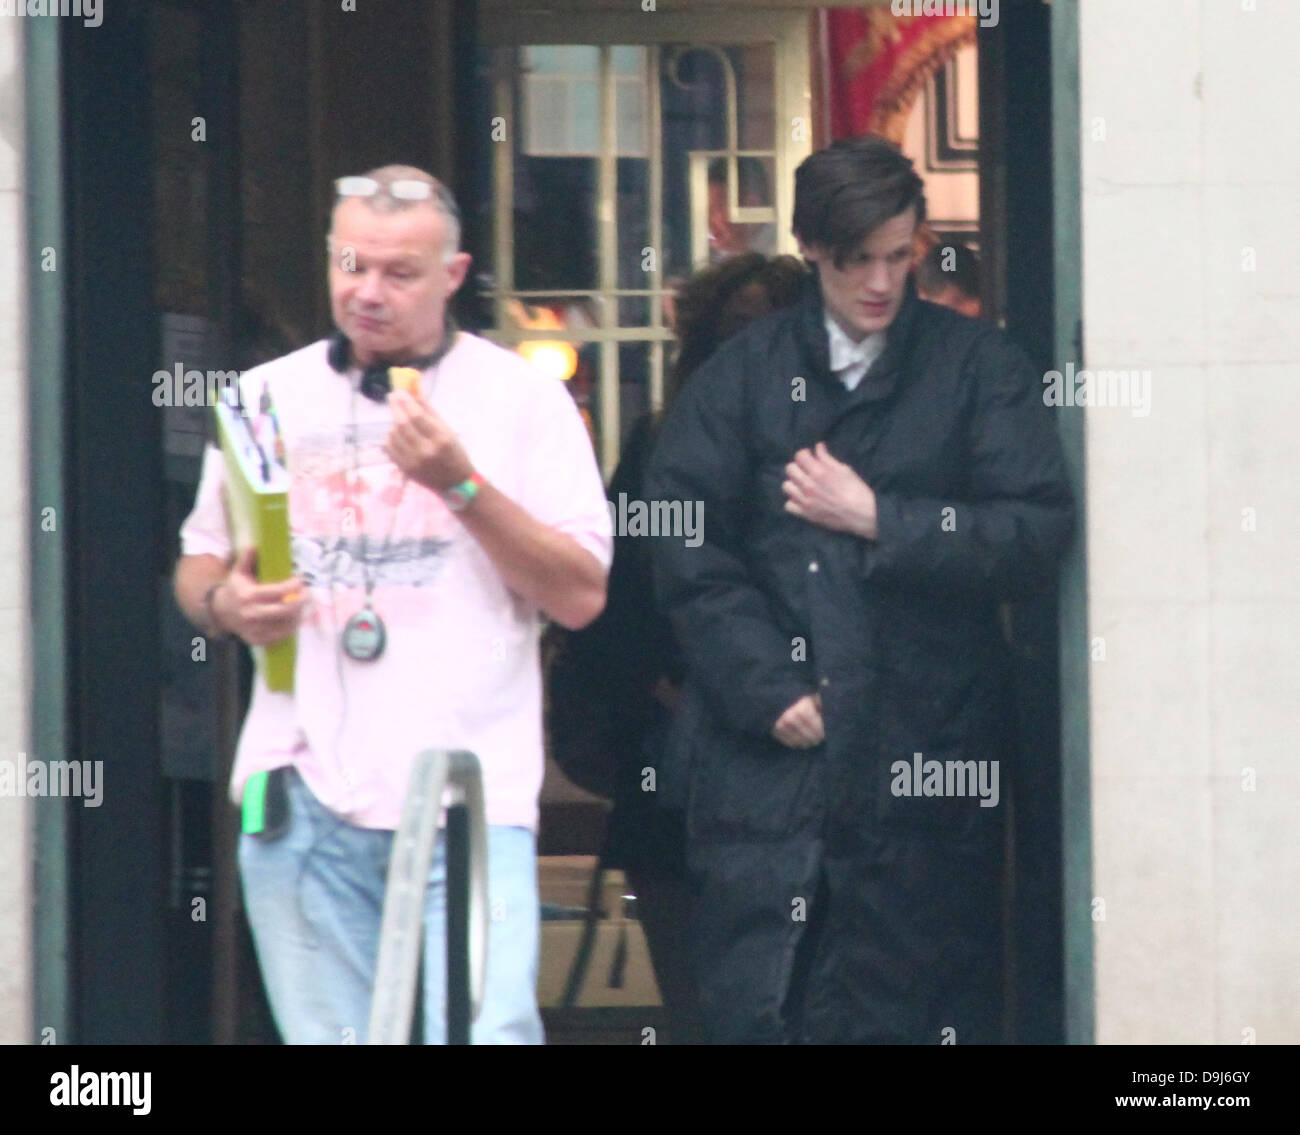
(405, 378)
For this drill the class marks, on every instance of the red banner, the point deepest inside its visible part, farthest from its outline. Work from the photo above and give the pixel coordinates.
(878, 63)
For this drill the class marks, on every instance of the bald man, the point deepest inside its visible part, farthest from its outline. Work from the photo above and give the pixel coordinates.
(433, 530)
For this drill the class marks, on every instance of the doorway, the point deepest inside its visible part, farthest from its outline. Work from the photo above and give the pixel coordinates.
(682, 174)
(628, 152)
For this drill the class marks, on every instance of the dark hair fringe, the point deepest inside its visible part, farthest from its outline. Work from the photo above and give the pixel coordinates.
(843, 193)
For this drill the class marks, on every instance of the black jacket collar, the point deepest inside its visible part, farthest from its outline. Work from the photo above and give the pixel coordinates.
(881, 380)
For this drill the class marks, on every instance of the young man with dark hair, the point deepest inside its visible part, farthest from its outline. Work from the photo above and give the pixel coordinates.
(878, 473)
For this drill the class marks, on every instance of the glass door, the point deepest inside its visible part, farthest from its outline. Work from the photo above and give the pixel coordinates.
(623, 162)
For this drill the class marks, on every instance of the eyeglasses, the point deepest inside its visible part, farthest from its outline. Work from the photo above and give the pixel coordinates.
(403, 189)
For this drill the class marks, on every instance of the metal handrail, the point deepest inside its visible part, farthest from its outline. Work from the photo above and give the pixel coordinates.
(435, 771)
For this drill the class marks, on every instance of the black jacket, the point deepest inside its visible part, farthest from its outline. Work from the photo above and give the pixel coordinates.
(899, 635)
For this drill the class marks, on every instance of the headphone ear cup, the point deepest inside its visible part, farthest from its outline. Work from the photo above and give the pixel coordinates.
(375, 383)
(337, 356)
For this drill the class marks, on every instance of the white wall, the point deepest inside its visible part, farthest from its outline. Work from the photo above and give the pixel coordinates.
(15, 815)
(1190, 168)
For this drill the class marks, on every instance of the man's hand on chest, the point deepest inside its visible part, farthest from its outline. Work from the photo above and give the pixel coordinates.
(822, 490)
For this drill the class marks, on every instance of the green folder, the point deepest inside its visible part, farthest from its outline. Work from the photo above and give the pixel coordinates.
(257, 508)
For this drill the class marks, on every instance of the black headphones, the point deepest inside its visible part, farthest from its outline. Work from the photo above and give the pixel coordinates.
(375, 383)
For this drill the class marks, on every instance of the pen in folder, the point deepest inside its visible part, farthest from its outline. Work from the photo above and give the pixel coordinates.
(255, 445)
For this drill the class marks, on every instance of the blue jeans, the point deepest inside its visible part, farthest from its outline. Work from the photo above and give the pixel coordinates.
(315, 898)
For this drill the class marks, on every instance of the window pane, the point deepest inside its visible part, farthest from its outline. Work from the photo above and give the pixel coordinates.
(628, 61)
(693, 82)
(630, 99)
(546, 110)
(562, 59)
(633, 223)
(634, 387)
(634, 311)
(586, 117)
(555, 223)
(755, 94)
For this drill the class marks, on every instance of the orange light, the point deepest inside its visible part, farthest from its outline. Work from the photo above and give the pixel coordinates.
(556, 359)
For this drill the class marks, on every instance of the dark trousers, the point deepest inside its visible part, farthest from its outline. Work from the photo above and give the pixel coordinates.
(792, 944)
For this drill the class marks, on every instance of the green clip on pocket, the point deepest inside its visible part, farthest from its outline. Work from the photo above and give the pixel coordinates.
(266, 804)
(255, 803)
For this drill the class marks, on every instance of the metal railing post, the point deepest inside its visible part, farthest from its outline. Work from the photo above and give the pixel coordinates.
(434, 772)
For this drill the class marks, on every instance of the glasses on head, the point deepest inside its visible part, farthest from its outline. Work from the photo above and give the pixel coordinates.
(402, 189)
(405, 189)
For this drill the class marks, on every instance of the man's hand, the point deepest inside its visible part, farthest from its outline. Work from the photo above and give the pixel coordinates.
(825, 491)
(801, 726)
(261, 614)
(538, 563)
(423, 446)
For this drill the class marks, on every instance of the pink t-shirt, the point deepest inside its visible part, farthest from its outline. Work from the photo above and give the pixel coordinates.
(460, 669)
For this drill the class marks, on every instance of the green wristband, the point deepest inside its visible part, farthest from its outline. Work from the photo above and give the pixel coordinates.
(459, 497)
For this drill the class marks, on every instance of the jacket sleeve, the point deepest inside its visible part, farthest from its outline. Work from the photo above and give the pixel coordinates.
(733, 646)
(1004, 533)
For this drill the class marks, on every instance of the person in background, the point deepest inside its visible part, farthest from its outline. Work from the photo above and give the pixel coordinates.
(732, 238)
(949, 274)
(628, 662)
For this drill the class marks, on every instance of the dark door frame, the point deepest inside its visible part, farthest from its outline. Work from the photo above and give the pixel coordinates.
(106, 983)
(1029, 207)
